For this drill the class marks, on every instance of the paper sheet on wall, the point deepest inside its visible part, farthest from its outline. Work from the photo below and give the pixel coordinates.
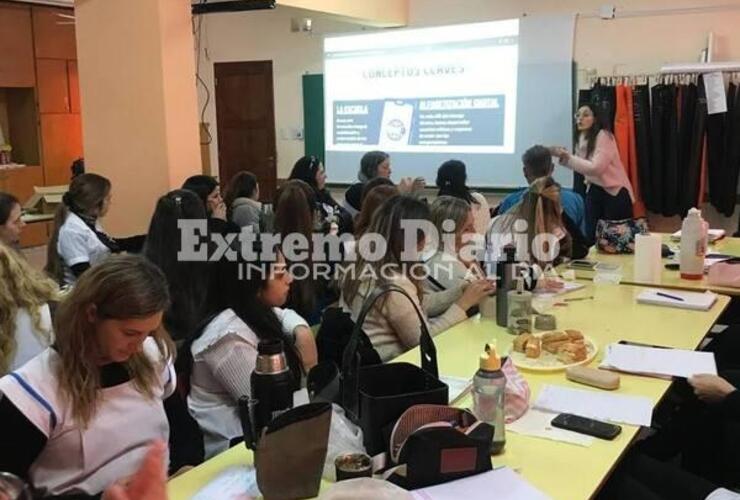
(714, 84)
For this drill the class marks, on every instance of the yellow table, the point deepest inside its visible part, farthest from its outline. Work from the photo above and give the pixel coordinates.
(558, 469)
(668, 279)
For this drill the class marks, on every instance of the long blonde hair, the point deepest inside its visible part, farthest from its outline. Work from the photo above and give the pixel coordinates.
(121, 287)
(22, 288)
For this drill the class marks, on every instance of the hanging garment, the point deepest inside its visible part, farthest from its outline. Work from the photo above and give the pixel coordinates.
(732, 149)
(624, 132)
(604, 100)
(686, 111)
(669, 186)
(716, 156)
(641, 118)
(657, 158)
(691, 186)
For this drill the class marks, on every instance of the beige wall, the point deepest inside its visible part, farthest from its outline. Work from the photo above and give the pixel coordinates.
(139, 101)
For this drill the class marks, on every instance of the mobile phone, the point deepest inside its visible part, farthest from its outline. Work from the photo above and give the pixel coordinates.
(582, 264)
(583, 425)
(673, 266)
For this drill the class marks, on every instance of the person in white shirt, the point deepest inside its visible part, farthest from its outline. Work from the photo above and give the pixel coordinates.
(25, 322)
(244, 308)
(81, 415)
(79, 241)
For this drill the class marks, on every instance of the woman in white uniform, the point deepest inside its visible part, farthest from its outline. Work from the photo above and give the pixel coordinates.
(80, 416)
(25, 323)
(79, 240)
(244, 309)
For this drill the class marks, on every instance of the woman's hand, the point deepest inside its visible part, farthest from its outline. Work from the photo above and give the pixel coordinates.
(562, 153)
(475, 292)
(148, 483)
(219, 211)
(711, 388)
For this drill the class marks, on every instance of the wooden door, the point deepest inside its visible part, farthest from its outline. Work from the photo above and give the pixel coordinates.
(16, 47)
(53, 86)
(245, 118)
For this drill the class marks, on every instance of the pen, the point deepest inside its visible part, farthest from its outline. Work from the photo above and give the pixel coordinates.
(575, 299)
(669, 296)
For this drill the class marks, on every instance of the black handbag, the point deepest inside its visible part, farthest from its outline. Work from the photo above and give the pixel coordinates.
(377, 395)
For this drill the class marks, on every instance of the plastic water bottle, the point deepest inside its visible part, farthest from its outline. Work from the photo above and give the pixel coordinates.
(489, 384)
(693, 246)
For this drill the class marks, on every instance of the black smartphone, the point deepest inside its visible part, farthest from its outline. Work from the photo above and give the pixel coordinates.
(582, 264)
(673, 266)
(583, 425)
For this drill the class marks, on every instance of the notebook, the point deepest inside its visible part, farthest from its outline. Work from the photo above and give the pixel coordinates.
(678, 298)
(658, 362)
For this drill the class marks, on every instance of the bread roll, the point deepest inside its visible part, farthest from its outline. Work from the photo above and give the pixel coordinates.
(574, 334)
(553, 347)
(554, 337)
(520, 342)
(533, 349)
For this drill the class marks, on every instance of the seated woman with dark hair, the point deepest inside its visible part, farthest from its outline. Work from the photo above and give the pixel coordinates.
(186, 279)
(242, 200)
(11, 223)
(375, 165)
(293, 215)
(244, 302)
(451, 181)
(209, 192)
(310, 170)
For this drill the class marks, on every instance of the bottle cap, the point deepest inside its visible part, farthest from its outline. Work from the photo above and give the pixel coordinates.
(489, 360)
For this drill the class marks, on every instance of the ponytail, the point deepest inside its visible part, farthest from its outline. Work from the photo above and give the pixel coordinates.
(54, 266)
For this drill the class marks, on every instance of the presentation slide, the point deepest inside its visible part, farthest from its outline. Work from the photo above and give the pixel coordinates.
(431, 94)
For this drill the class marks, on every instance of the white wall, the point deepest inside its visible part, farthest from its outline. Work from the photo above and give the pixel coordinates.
(624, 45)
(259, 36)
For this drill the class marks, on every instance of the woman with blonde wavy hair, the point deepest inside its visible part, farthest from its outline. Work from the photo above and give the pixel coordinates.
(80, 415)
(25, 322)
